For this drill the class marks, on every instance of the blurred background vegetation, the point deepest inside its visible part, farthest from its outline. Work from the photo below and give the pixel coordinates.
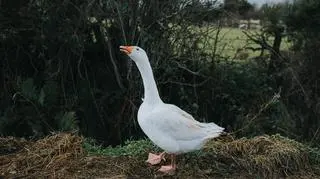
(61, 68)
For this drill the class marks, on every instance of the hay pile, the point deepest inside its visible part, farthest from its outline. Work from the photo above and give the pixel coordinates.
(266, 156)
(10, 145)
(62, 156)
(51, 155)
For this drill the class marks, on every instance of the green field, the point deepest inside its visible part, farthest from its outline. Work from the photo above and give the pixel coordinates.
(232, 43)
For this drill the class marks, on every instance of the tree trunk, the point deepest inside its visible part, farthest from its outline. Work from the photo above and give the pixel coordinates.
(275, 59)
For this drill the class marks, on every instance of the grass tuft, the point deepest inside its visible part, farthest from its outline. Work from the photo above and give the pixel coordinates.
(130, 148)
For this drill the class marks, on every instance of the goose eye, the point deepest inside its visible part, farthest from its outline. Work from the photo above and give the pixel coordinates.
(137, 49)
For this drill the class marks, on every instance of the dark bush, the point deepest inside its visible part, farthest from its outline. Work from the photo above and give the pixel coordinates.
(62, 70)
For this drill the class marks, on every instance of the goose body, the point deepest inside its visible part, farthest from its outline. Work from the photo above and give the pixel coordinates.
(166, 125)
(174, 130)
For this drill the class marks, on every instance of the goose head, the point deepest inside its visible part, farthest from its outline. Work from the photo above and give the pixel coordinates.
(136, 53)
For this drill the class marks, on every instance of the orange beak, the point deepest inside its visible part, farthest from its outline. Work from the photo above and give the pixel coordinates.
(126, 49)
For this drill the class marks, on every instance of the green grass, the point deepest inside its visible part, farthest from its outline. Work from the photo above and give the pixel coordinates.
(231, 40)
(130, 148)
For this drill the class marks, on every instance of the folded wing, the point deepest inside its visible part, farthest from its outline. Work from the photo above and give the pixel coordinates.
(181, 126)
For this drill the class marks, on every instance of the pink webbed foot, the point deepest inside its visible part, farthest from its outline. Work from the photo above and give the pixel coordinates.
(154, 159)
(167, 169)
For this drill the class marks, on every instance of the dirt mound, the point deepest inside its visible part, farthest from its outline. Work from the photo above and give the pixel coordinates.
(62, 156)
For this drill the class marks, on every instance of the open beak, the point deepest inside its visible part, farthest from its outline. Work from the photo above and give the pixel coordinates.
(126, 49)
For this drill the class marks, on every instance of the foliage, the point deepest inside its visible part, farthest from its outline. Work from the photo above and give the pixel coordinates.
(295, 72)
(303, 29)
(238, 6)
(62, 70)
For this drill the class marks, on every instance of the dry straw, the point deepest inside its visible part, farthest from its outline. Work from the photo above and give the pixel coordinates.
(62, 156)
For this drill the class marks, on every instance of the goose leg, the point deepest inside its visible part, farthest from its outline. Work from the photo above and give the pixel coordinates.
(168, 169)
(154, 159)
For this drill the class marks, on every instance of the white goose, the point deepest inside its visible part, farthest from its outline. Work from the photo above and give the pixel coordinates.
(169, 127)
